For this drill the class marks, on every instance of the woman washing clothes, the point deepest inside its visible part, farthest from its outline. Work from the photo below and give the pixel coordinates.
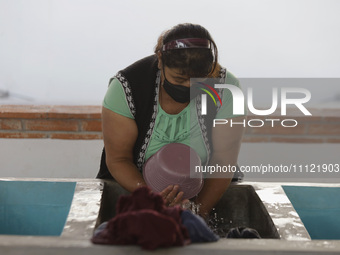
(148, 105)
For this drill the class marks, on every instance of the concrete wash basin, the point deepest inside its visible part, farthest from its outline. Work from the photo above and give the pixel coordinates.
(243, 202)
(239, 206)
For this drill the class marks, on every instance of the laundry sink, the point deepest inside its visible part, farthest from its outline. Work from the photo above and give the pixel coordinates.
(239, 207)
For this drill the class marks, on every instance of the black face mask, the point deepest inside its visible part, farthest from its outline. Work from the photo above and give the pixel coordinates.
(179, 93)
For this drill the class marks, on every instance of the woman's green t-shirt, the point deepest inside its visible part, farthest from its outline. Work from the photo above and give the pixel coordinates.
(172, 128)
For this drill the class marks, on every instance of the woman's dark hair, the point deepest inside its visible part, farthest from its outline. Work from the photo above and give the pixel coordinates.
(193, 62)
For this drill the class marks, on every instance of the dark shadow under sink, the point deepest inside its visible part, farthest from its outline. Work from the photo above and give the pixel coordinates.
(240, 206)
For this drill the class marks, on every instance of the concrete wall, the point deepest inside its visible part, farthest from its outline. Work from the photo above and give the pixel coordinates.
(54, 158)
(47, 158)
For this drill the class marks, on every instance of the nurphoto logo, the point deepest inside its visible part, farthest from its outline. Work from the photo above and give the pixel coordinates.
(239, 104)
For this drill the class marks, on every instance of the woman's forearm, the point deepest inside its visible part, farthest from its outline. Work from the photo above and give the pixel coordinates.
(226, 143)
(210, 194)
(127, 175)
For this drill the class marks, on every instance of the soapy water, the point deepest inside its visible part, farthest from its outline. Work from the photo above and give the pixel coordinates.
(218, 225)
(193, 207)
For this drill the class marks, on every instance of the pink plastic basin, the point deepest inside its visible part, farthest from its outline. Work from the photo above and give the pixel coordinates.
(172, 165)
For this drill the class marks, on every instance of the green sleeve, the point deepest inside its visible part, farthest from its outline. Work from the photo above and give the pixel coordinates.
(115, 99)
(226, 110)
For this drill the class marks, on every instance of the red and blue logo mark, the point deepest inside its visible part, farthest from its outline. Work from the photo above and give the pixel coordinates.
(205, 89)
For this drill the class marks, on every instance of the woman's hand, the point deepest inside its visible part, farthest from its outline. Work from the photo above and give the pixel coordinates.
(172, 197)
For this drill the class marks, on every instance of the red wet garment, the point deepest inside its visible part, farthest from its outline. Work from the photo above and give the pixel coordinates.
(143, 219)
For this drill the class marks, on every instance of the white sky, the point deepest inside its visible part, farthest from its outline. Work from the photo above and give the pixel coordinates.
(65, 51)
